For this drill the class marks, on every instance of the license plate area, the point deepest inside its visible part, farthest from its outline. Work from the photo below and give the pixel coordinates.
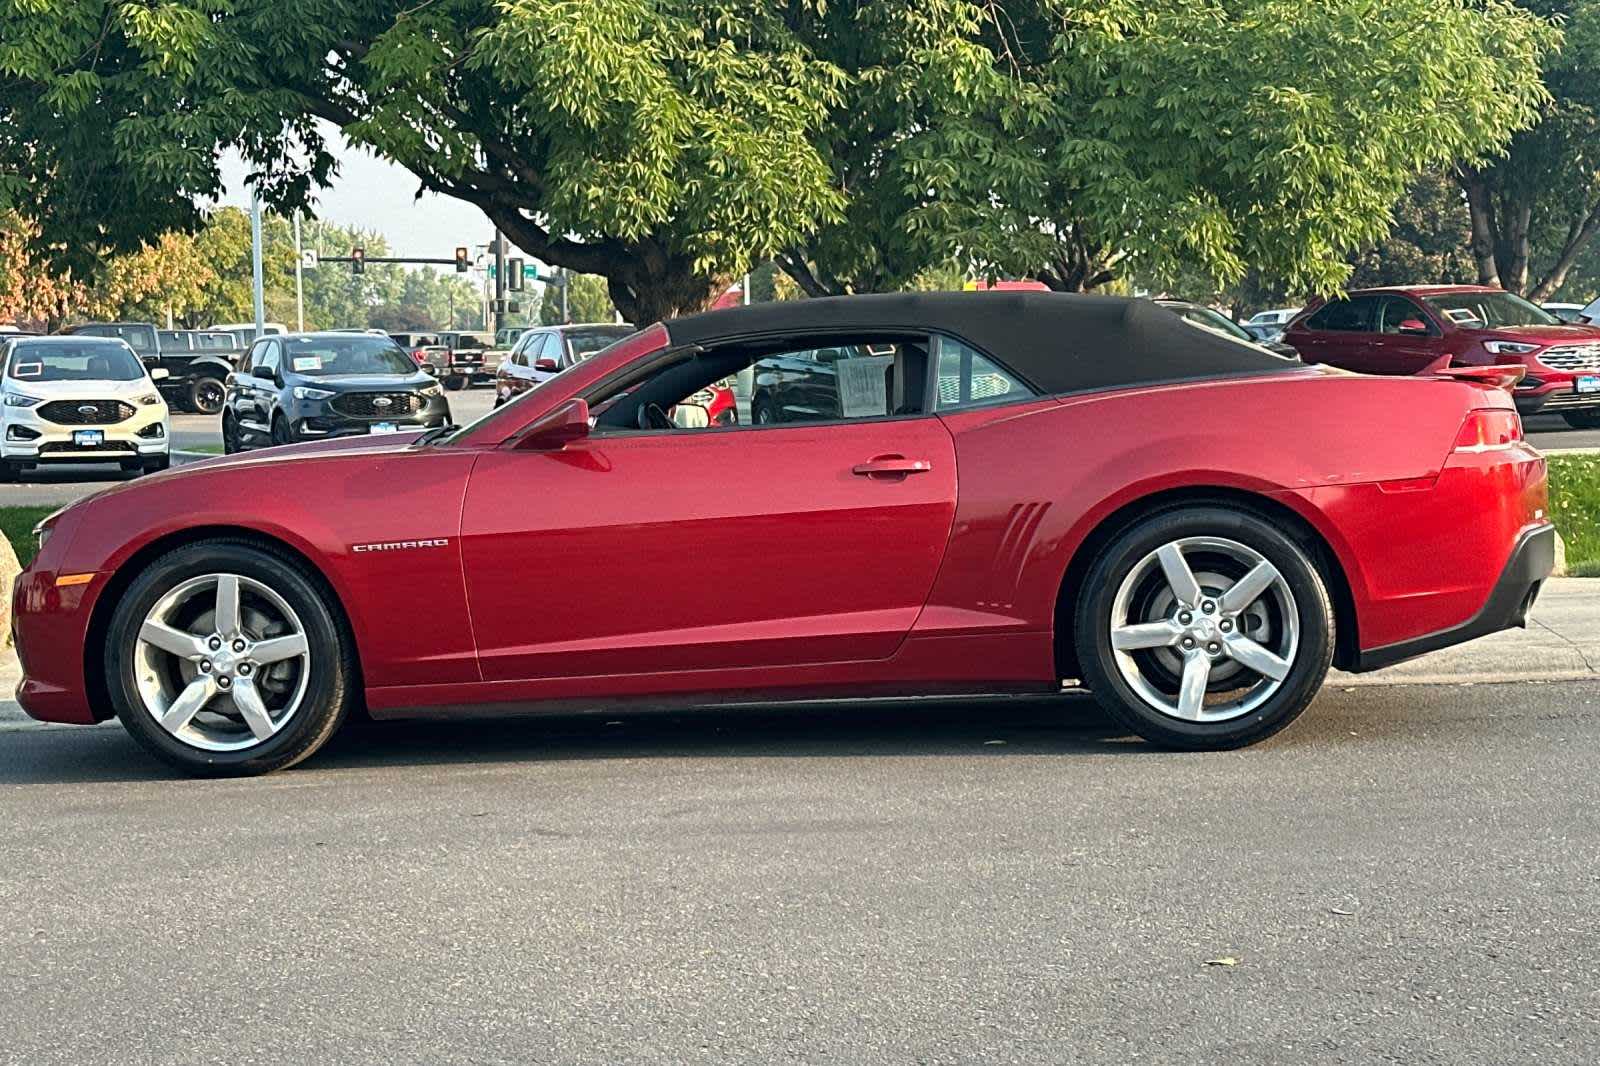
(88, 438)
(1587, 383)
(383, 427)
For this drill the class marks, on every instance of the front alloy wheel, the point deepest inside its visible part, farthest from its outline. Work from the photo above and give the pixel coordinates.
(223, 657)
(1205, 628)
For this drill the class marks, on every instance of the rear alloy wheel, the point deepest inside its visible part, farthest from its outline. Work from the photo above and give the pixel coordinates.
(224, 658)
(1204, 628)
(1584, 419)
(207, 395)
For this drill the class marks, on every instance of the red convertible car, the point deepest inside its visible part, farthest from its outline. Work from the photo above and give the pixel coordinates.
(1007, 491)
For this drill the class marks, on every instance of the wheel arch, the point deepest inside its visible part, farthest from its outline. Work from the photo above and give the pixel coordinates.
(1346, 631)
(106, 603)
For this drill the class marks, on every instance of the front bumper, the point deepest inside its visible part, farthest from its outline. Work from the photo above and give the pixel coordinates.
(320, 420)
(1532, 559)
(1551, 392)
(28, 439)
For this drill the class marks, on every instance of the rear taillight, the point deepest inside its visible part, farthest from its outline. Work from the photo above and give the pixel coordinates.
(1489, 428)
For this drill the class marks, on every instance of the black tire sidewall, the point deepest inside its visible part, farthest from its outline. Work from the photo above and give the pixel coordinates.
(327, 691)
(197, 388)
(1093, 638)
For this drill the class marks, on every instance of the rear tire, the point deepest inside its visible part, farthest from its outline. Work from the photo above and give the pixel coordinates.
(1589, 419)
(1231, 668)
(455, 382)
(280, 701)
(762, 413)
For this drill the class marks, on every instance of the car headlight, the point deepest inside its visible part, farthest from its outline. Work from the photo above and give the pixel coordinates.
(1510, 347)
(149, 399)
(306, 392)
(17, 399)
(433, 390)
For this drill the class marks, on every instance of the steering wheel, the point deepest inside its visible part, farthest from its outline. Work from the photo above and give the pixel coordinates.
(651, 416)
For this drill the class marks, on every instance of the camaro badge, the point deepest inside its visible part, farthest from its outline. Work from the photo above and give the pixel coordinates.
(400, 545)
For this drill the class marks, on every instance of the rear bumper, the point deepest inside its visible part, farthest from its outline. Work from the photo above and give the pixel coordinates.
(1531, 561)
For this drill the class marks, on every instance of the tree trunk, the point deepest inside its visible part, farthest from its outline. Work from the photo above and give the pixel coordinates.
(1514, 251)
(1578, 239)
(1481, 211)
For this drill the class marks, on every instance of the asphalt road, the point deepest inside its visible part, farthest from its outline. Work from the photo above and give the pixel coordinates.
(1411, 874)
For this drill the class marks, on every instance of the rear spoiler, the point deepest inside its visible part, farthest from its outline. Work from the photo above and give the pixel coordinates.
(1502, 376)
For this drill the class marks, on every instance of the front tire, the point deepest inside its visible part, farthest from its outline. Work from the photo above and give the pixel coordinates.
(1586, 419)
(281, 433)
(231, 442)
(1204, 628)
(224, 658)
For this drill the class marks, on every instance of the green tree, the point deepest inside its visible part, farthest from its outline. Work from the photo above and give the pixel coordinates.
(1088, 139)
(1535, 210)
(662, 144)
(1429, 242)
(587, 301)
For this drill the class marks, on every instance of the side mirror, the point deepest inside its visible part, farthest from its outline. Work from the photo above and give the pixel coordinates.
(556, 430)
(159, 373)
(1414, 327)
(546, 365)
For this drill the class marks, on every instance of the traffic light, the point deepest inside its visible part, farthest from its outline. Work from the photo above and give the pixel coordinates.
(514, 275)
(358, 260)
(463, 260)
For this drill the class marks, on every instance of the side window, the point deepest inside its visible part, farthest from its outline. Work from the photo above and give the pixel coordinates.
(969, 379)
(1395, 310)
(264, 359)
(1345, 316)
(551, 349)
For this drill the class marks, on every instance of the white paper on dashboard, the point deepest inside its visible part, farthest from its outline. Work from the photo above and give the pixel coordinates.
(864, 386)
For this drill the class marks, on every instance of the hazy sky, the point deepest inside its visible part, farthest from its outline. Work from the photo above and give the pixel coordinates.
(378, 195)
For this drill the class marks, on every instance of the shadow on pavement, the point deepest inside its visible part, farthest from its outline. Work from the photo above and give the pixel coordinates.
(1063, 725)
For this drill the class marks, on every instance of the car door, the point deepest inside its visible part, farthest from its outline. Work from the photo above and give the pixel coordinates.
(712, 549)
(1338, 334)
(1407, 340)
(258, 389)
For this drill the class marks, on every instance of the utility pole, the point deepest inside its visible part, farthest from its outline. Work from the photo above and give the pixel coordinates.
(299, 280)
(566, 279)
(499, 281)
(745, 290)
(255, 262)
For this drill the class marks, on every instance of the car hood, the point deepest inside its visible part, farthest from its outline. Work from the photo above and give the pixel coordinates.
(363, 382)
(1563, 334)
(80, 390)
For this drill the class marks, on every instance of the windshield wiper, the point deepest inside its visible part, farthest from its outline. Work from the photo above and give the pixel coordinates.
(434, 434)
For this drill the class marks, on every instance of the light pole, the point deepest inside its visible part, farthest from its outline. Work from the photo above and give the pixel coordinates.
(255, 263)
(299, 282)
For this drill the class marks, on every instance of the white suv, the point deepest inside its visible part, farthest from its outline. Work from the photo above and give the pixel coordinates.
(79, 400)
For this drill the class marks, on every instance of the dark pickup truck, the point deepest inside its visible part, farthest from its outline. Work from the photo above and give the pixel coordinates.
(197, 362)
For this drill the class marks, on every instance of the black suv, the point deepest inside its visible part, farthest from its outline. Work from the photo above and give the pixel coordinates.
(311, 386)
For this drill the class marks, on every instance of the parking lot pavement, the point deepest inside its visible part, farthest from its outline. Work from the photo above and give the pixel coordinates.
(1407, 875)
(1551, 433)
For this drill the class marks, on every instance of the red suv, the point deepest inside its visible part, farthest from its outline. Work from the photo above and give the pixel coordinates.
(1420, 329)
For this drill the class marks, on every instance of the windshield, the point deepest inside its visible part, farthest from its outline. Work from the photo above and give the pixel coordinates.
(61, 361)
(326, 357)
(586, 342)
(1489, 309)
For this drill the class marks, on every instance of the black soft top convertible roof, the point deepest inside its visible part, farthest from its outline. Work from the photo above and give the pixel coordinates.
(1058, 342)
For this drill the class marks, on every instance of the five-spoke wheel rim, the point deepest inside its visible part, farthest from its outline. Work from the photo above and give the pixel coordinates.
(221, 662)
(1204, 629)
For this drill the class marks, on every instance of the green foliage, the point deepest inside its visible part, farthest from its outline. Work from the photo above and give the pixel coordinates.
(1575, 508)
(1429, 242)
(1252, 133)
(1537, 206)
(587, 301)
